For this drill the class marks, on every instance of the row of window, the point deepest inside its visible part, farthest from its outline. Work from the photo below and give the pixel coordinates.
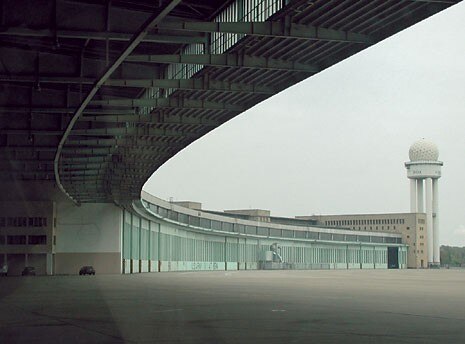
(147, 240)
(20, 221)
(263, 231)
(364, 222)
(23, 240)
(375, 228)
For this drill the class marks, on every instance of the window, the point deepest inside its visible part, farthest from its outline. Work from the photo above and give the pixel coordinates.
(275, 232)
(312, 235)
(350, 237)
(2, 240)
(251, 229)
(325, 236)
(300, 234)
(37, 240)
(205, 223)
(363, 238)
(338, 237)
(193, 220)
(16, 240)
(288, 234)
(238, 228)
(227, 226)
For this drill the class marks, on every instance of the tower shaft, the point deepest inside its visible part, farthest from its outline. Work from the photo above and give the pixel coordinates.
(436, 248)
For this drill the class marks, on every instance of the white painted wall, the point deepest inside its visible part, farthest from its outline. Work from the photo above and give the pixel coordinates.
(88, 228)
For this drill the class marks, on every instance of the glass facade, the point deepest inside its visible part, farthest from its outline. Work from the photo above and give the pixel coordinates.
(170, 240)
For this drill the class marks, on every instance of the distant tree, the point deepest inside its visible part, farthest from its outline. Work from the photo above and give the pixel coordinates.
(453, 256)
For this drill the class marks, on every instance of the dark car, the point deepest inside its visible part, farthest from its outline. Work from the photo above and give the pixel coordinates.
(4, 270)
(87, 270)
(29, 271)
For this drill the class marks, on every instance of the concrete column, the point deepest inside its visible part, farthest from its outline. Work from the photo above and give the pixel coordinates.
(49, 264)
(436, 250)
(420, 199)
(429, 219)
(413, 196)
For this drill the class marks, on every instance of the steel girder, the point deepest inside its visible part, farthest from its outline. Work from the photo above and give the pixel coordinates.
(119, 146)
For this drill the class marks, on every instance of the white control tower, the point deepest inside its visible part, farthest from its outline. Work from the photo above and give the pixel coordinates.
(424, 170)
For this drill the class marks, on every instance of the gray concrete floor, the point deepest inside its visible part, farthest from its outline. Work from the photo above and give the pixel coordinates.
(371, 306)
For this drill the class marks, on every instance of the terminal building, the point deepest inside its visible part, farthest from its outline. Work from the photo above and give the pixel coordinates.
(95, 96)
(152, 235)
(411, 226)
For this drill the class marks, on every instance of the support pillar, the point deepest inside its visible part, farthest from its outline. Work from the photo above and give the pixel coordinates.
(436, 249)
(413, 195)
(429, 219)
(420, 199)
(50, 264)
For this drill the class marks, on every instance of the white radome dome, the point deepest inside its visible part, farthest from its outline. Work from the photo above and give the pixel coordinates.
(423, 150)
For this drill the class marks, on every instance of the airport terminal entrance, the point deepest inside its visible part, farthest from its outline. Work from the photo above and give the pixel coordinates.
(393, 257)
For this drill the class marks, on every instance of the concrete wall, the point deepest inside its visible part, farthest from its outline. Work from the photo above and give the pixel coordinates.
(88, 235)
(29, 220)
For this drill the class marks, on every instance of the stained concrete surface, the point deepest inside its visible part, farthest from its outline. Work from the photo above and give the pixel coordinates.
(371, 306)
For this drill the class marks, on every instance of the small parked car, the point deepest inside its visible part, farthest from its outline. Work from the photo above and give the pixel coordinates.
(4, 270)
(29, 271)
(87, 270)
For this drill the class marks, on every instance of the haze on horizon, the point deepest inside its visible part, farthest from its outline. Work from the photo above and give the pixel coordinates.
(336, 143)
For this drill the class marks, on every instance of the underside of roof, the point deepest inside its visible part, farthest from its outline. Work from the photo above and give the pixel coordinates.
(98, 94)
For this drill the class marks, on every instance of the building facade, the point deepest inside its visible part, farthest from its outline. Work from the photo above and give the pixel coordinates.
(153, 235)
(412, 227)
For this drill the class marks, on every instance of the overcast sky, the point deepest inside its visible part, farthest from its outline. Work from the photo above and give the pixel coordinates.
(336, 143)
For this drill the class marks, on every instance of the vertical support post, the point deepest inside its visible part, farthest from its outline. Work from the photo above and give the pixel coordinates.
(49, 263)
(225, 255)
(360, 256)
(238, 252)
(413, 195)
(139, 221)
(131, 243)
(420, 199)
(159, 245)
(429, 219)
(149, 246)
(347, 256)
(436, 249)
(123, 265)
(107, 27)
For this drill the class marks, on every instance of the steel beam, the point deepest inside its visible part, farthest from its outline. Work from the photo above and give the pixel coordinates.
(228, 60)
(123, 131)
(172, 103)
(133, 43)
(63, 110)
(271, 29)
(153, 119)
(195, 84)
(100, 35)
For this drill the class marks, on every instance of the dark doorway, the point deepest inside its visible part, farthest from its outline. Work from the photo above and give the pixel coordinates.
(393, 257)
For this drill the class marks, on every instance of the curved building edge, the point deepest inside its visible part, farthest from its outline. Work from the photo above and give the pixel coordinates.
(150, 235)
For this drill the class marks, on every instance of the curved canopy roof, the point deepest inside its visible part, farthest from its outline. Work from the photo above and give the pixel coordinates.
(98, 94)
